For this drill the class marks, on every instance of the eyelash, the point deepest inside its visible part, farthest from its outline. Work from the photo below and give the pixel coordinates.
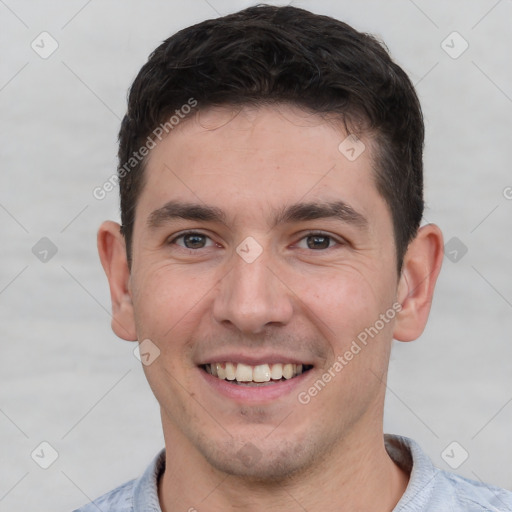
(307, 235)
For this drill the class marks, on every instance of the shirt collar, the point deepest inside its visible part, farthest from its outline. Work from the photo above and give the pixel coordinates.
(145, 491)
(408, 454)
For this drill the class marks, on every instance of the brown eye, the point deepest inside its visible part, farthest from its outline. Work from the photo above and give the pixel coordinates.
(318, 241)
(192, 241)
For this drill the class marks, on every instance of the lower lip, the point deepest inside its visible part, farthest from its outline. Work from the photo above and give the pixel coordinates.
(254, 393)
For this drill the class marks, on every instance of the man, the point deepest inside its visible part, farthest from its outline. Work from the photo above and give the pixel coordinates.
(270, 169)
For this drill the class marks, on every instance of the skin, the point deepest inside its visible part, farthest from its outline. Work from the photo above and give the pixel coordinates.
(311, 303)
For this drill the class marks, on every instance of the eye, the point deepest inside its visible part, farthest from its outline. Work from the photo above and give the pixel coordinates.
(317, 241)
(192, 240)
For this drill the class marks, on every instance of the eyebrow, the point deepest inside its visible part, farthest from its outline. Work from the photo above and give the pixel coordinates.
(338, 210)
(188, 211)
(294, 213)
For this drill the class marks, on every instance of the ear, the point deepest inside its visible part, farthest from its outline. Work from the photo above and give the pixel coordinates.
(112, 251)
(421, 267)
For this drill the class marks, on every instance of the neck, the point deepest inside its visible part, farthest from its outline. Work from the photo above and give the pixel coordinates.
(358, 474)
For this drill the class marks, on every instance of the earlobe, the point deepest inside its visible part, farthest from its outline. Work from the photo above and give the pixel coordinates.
(112, 252)
(421, 267)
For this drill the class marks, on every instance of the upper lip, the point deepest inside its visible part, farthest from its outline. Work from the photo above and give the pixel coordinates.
(253, 360)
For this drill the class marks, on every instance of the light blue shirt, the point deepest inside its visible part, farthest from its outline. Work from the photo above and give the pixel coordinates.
(429, 490)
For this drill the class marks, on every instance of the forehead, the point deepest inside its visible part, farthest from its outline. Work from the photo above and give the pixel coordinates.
(256, 159)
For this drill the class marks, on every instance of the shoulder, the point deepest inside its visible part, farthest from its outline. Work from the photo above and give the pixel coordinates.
(431, 489)
(137, 495)
(119, 499)
(473, 496)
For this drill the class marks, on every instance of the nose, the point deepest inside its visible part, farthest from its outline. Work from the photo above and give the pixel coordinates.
(251, 296)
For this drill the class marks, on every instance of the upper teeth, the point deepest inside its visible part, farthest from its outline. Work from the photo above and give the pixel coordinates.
(260, 373)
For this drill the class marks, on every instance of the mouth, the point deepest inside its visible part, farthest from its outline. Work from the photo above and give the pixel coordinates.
(255, 376)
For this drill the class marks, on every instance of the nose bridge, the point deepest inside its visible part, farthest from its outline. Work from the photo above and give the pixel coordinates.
(250, 295)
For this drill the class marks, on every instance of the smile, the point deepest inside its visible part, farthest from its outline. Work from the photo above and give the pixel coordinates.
(259, 375)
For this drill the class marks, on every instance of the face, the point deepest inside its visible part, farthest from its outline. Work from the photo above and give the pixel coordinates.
(260, 249)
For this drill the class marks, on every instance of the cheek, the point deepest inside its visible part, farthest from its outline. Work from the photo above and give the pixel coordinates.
(168, 308)
(345, 301)
(167, 301)
(347, 309)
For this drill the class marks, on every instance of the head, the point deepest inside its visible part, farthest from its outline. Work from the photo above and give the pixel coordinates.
(273, 218)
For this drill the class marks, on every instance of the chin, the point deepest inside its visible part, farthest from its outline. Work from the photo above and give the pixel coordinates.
(257, 463)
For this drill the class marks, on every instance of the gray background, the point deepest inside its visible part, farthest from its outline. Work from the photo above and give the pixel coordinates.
(66, 379)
